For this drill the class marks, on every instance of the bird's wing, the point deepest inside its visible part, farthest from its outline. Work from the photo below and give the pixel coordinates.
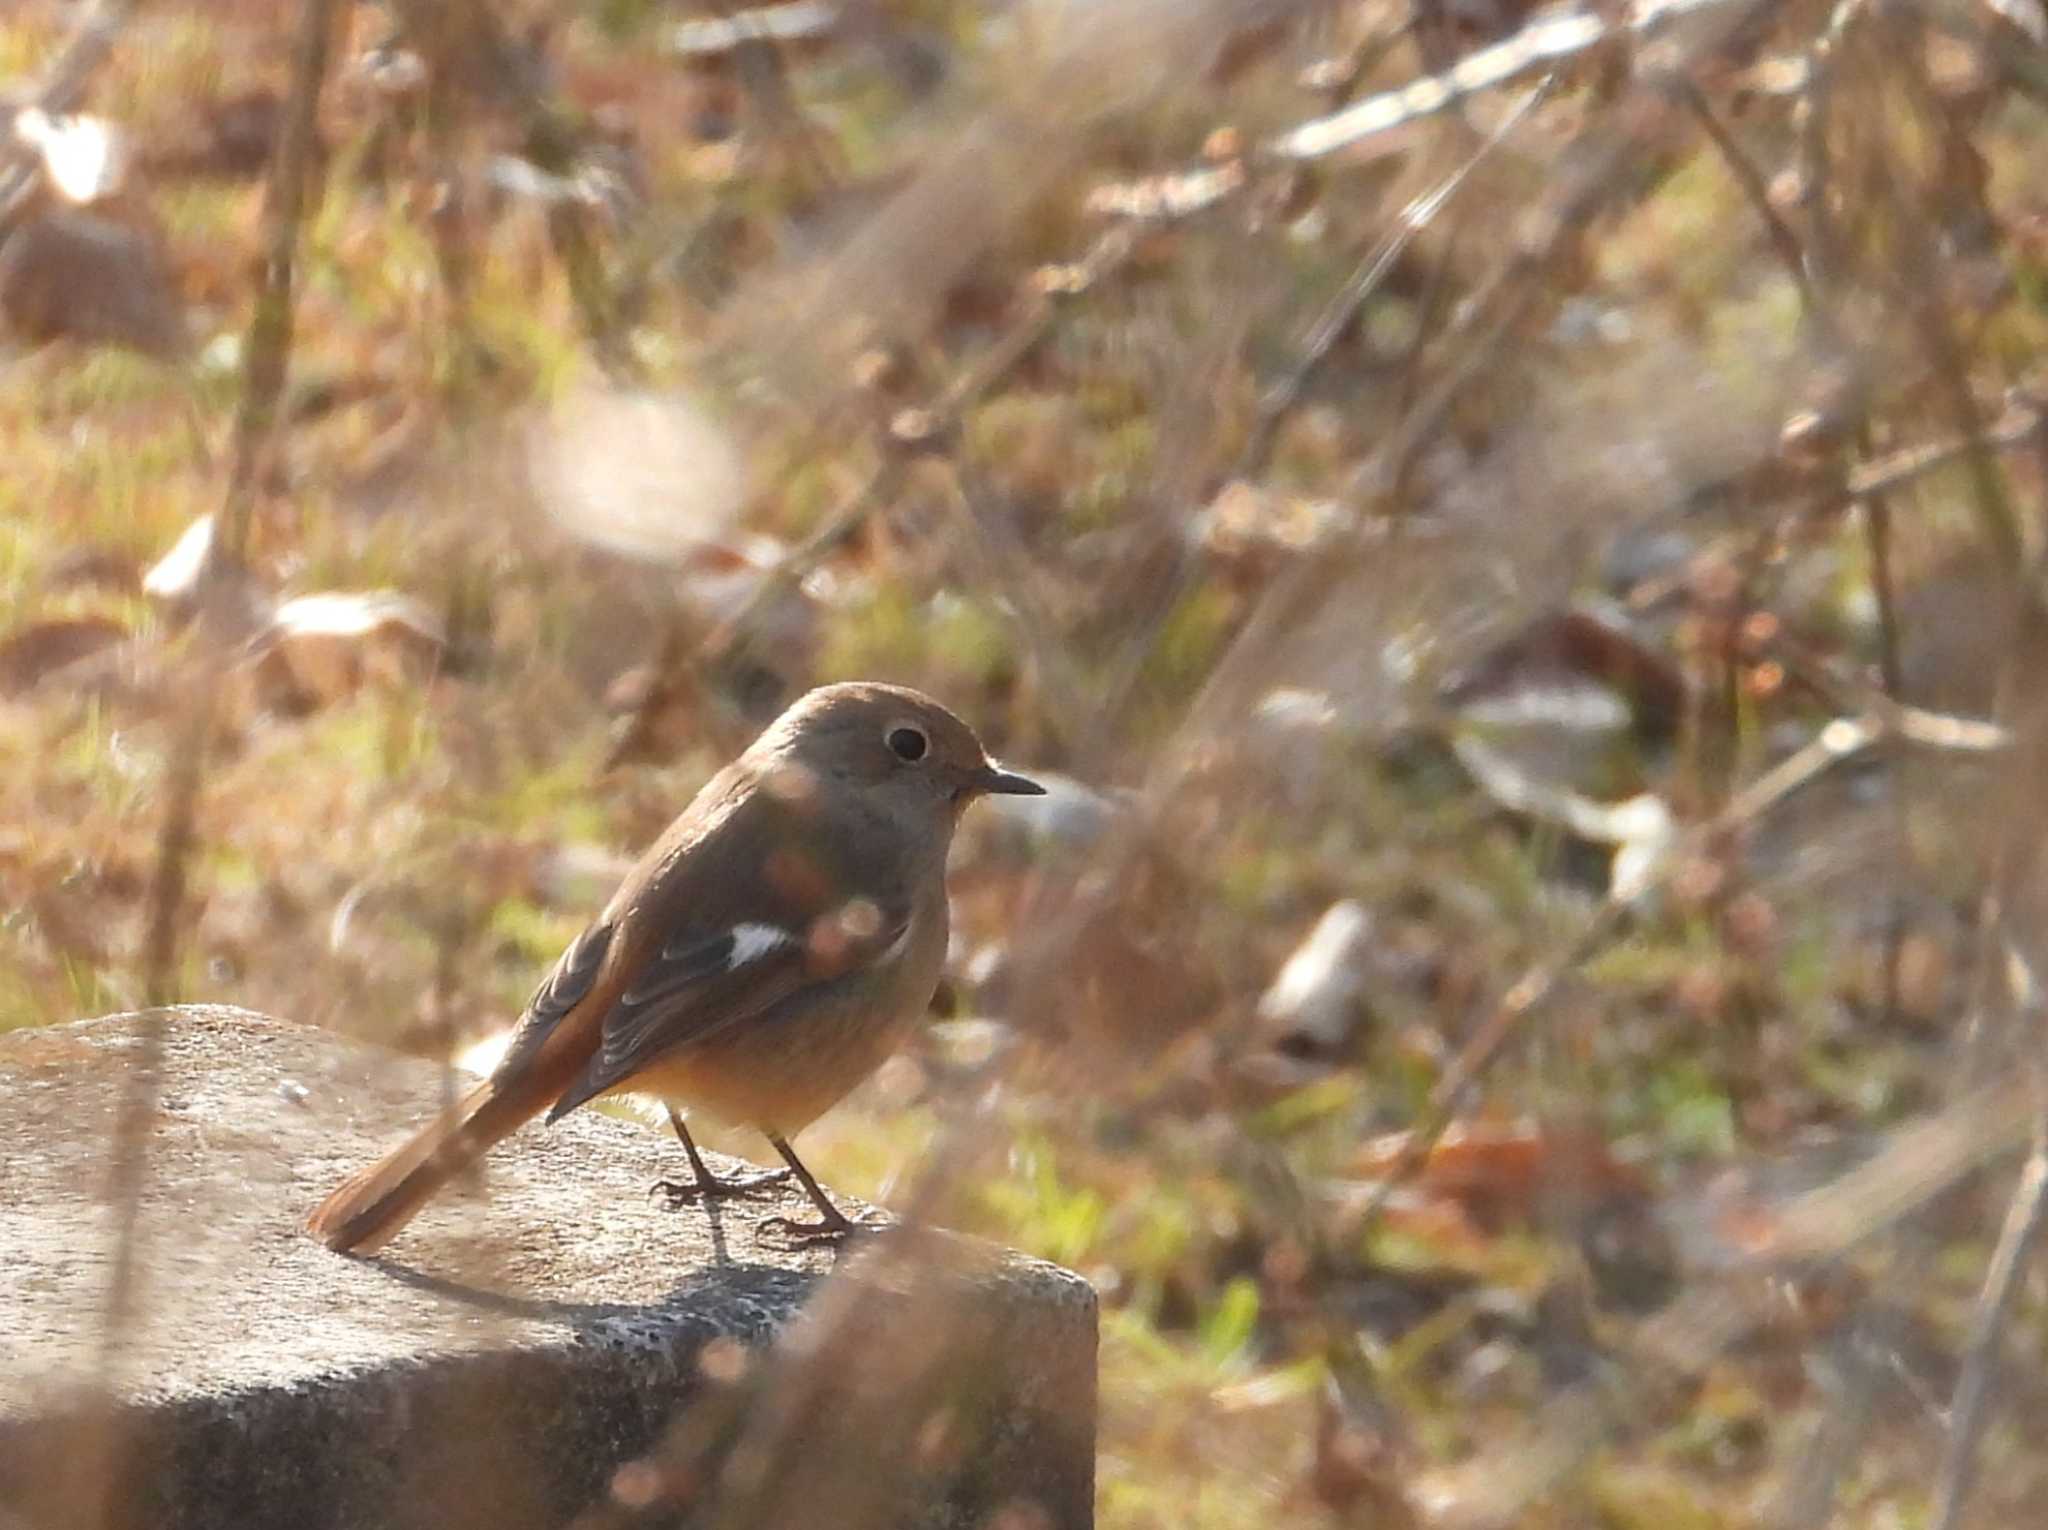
(699, 984)
(568, 982)
(672, 972)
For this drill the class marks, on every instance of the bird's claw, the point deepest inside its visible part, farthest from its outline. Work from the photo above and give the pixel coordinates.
(836, 1230)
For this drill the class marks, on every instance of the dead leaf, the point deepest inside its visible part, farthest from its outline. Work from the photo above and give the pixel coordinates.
(1497, 1168)
(184, 575)
(85, 159)
(67, 273)
(1551, 723)
(1572, 669)
(358, 615)
(40, 649)
(1313, 1004)
(1362, 1462)
(176, 576)
(322, 648)
(1641, 828)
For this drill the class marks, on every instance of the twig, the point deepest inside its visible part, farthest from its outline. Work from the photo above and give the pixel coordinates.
(1336, 78)
(1104, 258)
(1279, 399)
(1816, 164)
(1971, 1408)
(267, 350)
(1917, 1163)
(1877, 535)
(1434, 404)
(1862, 1349)
(1552, 38)
(1919, 291)
(466, 41)
(1840, 740)
(1491, 312)
(447, 217)
(758, 65)
(1815, 270)
(1687, 93)
(2021, 425)
(1003, 564)
(269, 345)
(1876, 511)
(267, 354)
(1875, 503)
(1844, 1432)
(1841, 686)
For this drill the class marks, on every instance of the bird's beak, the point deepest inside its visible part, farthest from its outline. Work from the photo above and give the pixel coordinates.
(992, 778)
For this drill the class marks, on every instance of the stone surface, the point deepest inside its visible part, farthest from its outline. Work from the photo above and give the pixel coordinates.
(549, 1344)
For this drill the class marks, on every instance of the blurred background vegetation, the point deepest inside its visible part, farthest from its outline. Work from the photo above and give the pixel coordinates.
(1525, 587)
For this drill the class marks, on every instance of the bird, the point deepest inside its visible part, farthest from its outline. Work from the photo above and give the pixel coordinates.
(768, 952)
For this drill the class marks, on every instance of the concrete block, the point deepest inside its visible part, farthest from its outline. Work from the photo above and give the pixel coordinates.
(549, 1347)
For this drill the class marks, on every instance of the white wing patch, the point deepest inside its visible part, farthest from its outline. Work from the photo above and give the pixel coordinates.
(751, 942)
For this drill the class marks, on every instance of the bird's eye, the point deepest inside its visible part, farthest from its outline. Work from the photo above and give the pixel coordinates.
(907, 743)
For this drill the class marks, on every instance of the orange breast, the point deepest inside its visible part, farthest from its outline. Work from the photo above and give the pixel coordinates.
(777, 1082)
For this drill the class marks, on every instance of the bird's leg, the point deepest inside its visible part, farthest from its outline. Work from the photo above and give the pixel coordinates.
(708, 1186)
(832, 1223)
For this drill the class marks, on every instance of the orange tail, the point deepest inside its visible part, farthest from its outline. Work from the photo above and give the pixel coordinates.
(374, 1203)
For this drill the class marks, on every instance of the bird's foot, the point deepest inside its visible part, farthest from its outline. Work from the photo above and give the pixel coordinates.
(679, 1193)
(836, 1228)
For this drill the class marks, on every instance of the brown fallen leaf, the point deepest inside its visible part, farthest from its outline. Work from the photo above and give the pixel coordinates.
(35, 652)
(322, 648)
(1363, 1461)
(1493, 1167)
(1554, 667)
(70, 273)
